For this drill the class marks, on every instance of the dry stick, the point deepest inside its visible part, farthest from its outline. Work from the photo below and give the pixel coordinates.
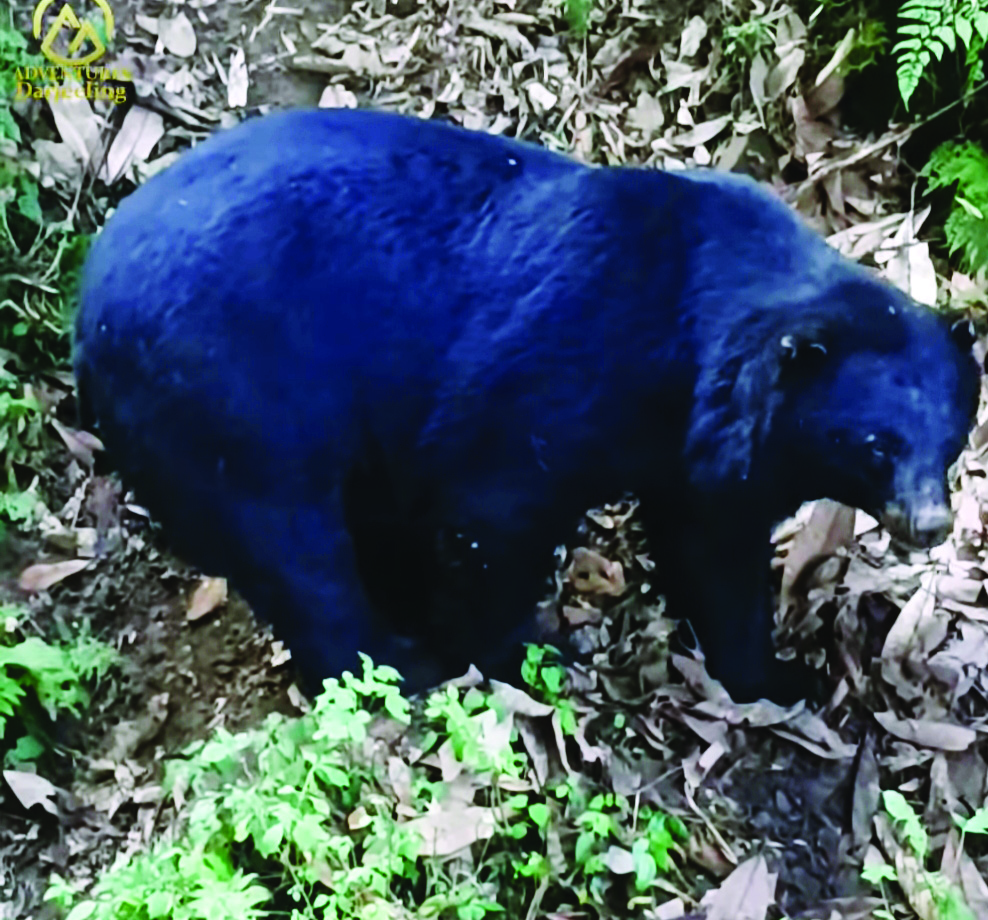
(726, 849)
(863, 153)
(536, 903)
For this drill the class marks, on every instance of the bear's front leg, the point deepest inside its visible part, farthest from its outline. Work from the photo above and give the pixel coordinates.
(718, 577)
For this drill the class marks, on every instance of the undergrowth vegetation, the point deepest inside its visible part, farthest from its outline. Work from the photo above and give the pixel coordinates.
(42, 681)
(964, 168)
(40, 259)
(40, 253)
(370, 808)
(920, 883)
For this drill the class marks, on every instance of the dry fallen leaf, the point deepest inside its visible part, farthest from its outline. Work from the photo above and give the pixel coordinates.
(139, 134)
(694, 33)
(830, 527)
(445, 832)
(907, 261)
(867, 792)
(31, 789)
(943, 736)
(177, 35)
(209, 594)
(576, 617)
(591, 573)
(237, 81)
(128, 735)
(671, 910)
(619, 860)
(808, 730)
(911, 269)
(542, 99)
(913, 636)
(647, 115)
(708, 855)
(358, 819)
(783, 75)
(148, 23)
(504, 31)
(512, 700)
(702, 133)
(337, 97)
(81, 444)
(746, 894)
(42, 576)
(57, 164)
(78, 127)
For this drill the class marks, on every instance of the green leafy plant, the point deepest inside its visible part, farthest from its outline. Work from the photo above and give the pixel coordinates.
(577, 13)
(39, 260)
(39, 677)
(546, 677)
(17, 185)
(602, 844)
(316, 817)
(175, 884)
(278, 795)
(976, 824)
(964, 167)
(20, 430)
(947, 899)
(743, 41)
(39, 273)
(868, 42)
(927, 28)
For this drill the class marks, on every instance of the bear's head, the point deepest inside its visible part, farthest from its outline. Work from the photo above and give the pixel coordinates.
(859, 395)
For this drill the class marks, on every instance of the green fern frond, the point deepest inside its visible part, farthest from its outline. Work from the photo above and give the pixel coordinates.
(966, 167)
(927, 28)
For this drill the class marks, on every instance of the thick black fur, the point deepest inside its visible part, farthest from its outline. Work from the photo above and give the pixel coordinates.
(373, 369)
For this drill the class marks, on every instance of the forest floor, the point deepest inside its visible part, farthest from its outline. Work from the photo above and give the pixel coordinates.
(784, 805)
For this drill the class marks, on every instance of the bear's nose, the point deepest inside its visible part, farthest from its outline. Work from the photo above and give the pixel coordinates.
(930, 524)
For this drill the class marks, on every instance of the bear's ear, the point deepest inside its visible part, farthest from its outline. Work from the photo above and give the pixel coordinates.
(736, 398)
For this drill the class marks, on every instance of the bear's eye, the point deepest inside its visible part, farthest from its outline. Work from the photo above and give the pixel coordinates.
(880, 447)
(874, 446)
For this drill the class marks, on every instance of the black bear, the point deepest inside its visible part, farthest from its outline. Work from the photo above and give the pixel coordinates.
(373, 368)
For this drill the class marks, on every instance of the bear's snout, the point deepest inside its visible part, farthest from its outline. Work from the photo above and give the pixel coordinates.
(930, 524)
(925, 524)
